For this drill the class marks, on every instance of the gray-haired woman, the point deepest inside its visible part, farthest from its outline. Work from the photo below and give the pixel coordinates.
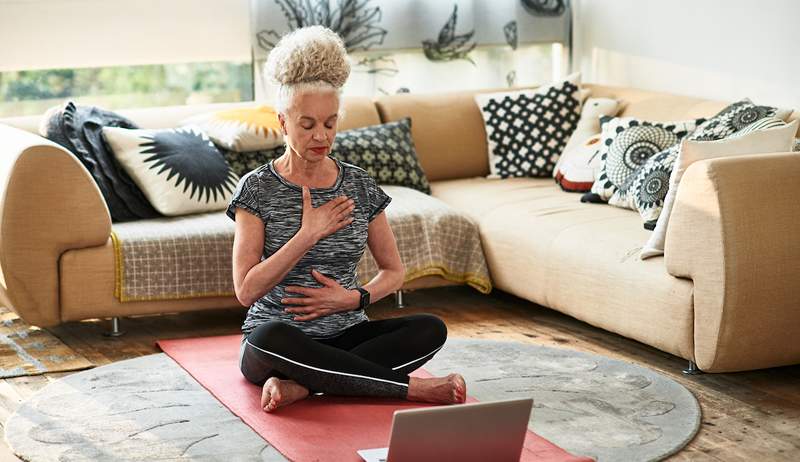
(303, 222)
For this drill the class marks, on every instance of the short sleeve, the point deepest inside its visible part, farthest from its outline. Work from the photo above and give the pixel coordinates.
(245, 196)
(378, 199)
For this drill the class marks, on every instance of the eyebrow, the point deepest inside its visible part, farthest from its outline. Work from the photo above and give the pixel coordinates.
(314, 120)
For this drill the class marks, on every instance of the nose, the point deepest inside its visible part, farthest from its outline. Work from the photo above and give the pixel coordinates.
(320, 135)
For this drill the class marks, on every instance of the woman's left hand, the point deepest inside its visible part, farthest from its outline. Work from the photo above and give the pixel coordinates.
(322, 301)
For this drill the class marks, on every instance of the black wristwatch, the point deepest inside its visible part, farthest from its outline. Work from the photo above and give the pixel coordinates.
(364, 298)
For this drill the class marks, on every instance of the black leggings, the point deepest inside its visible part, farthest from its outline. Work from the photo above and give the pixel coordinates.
(372, 358)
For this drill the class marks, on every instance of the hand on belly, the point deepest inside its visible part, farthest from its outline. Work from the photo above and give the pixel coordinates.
(320, 301)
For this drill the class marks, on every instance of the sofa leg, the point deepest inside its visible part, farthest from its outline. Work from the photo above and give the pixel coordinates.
(692, 369)
(115, 330)
(399, 299)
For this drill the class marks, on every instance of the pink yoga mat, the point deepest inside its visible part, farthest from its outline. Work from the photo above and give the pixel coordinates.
(320, 427)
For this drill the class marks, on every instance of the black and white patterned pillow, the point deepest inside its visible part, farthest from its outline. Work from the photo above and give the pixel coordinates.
(735, 117)
(179, 170)
(244, 162)
(527, 130)
(650, 182)
(386, 152)
(626, 144)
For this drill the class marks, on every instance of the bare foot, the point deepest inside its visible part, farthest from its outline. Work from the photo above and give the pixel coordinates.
(447, 390)
(276, 393)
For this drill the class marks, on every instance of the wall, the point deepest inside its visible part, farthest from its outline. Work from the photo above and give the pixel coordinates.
(717, 49)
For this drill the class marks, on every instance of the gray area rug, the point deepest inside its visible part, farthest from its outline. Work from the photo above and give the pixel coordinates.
(149, 408)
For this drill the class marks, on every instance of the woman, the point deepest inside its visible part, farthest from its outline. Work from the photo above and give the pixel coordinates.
(303, 222)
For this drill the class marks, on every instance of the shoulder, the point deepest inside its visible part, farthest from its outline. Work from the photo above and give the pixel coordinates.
(356, 173)
(258, 177)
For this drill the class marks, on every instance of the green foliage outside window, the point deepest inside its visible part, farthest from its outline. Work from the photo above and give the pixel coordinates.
(33, 92)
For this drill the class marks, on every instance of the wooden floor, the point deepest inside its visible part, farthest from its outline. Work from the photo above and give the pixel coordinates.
(746, 416)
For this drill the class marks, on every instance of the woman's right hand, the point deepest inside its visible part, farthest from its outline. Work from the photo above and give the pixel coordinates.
(327, 218)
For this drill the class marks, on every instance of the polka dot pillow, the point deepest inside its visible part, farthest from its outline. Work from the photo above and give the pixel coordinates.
(527, 130)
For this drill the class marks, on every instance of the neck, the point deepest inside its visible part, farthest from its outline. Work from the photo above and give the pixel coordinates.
(296, 167)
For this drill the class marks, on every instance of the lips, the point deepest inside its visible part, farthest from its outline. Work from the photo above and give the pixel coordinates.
(320, 150)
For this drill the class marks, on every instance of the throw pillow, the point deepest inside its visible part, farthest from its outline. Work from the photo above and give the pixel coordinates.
(241, 129)
(755, 139)
(578, 165)
(588, 125)
(735, 117)
(79, 130)
(386, 152)
(578, 171)
(651, 182)
(527, 130)
(243, 162)
(180, 170)
(627, 143)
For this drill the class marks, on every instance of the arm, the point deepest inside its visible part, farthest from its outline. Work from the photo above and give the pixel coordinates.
(253, 278)
(383, 246)
(734, 232)
(49, 203)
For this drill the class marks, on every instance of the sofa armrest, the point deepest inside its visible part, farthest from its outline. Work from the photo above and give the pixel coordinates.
(734, 231)
(49, 203)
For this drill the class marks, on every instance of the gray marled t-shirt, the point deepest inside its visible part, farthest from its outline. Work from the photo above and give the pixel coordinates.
(279, 204)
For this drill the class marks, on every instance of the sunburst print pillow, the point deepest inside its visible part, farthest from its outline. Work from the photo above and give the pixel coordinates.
(241, 129)
(179, 170)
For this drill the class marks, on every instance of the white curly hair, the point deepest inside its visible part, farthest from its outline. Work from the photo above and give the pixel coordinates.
(307, 59)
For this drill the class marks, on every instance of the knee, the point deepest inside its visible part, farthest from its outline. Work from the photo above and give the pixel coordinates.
(432, 328)
(273, 336)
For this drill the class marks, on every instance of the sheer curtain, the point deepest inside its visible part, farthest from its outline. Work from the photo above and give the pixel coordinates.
(421, 46)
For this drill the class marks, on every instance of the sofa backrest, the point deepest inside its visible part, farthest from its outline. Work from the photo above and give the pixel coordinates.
(447, 128)
(359, 112)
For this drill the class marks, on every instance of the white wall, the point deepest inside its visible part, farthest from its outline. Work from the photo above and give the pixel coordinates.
(716, 49)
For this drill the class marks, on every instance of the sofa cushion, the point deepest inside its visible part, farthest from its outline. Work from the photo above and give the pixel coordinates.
(180, 170)
(526, 130)
(581, 259)
(240, 129)
(626, 144)
(386, 151)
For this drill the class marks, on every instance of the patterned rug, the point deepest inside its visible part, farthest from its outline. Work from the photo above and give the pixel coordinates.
(28, 350)
(149, 408)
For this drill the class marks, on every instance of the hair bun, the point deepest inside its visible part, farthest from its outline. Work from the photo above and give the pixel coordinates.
(308, 54)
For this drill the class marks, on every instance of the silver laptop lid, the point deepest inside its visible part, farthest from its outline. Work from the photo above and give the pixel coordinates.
(492, 430)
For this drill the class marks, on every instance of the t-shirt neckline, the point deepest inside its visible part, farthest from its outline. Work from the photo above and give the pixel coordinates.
(288, 183)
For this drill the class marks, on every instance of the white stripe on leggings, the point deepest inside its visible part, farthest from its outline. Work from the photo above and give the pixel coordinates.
(406, 364)
(326, 370)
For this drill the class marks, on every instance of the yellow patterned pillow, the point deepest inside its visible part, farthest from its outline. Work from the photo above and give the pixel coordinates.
(241, 129)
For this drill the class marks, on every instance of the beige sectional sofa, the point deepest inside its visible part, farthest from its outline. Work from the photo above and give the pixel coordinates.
(725, 296)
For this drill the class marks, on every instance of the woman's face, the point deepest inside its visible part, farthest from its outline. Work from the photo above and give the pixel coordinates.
(309, 124)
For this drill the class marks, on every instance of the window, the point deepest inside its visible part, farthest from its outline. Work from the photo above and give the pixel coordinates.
(33, 92)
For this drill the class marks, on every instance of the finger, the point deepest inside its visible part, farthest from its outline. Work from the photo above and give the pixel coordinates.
(341, 224)
(298, 290)
(313, 315)
(306, 197)
(300, 310)
(344, 205)
(326, 281)
(297, 300)
(345, 212)
(336, 201)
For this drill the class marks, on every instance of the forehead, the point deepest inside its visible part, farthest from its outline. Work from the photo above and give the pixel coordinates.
(315, 105)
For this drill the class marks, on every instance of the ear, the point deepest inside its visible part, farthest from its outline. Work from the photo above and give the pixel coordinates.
(282, 121)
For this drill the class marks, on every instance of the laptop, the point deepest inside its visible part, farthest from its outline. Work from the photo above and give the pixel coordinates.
(491, 430)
